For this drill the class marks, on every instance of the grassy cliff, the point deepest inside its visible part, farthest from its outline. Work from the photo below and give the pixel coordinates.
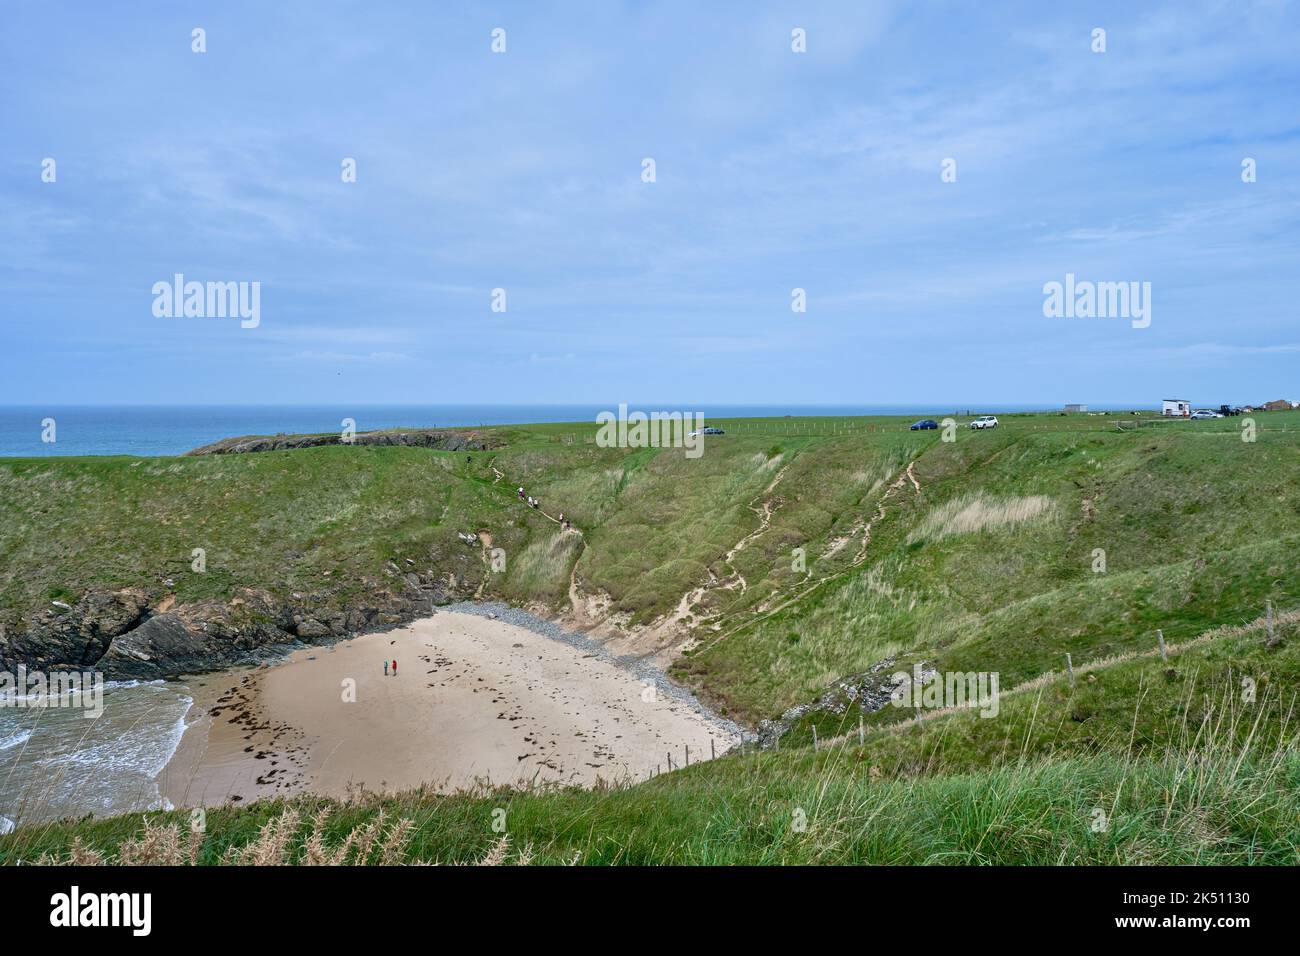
(792, 555)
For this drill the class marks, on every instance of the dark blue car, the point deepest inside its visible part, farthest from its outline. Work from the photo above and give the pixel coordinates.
(923, 424)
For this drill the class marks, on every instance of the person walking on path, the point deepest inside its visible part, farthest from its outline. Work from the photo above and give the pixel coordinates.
(394, 668)
(385, 668)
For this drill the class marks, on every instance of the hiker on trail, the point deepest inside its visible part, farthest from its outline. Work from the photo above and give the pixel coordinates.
(385, 668)
(521, 493)
(394, 668)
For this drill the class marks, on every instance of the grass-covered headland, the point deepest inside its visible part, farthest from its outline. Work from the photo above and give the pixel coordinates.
(792, 565)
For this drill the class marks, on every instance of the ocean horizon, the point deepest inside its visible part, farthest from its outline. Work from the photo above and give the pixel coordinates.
(161, 430)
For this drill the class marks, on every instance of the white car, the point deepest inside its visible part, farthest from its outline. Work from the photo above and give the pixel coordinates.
(985, 421)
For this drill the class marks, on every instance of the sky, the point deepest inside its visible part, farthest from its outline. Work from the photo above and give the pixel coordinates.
(774, 170)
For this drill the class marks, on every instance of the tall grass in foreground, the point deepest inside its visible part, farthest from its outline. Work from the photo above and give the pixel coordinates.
(1220, 796)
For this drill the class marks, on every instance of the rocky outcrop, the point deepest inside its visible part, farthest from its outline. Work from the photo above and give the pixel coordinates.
(871, 690)
(441, 439)
(73, 635)
(122, 636)
(164, 645)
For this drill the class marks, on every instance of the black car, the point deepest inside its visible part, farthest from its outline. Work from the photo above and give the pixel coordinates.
(923, 424)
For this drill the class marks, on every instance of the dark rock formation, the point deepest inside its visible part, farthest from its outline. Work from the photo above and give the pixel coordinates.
(161, 646)
(871, 690)
(119, 634)
(73, 636)
(441, 439)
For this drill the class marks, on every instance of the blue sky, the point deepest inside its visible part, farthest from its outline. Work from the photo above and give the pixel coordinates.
(775, 170)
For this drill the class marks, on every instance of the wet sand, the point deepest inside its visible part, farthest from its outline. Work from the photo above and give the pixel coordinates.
(475, 701)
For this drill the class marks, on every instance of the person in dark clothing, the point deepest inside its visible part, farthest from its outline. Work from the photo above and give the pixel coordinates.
(385, 668)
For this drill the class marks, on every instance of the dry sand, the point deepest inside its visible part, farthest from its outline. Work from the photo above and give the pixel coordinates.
(475, 700)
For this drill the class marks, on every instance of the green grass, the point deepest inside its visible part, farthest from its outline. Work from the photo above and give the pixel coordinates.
(991, 566)
(1198, 528)
(1138, 767)
(1223, 812)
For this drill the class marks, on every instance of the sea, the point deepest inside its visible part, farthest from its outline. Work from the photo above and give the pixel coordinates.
(151, 430)
(57, 760)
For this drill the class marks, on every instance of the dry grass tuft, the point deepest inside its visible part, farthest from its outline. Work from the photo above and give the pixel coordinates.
(271, 846)
(161, 845)
(498, 854)
(978, 512)
(276, 844)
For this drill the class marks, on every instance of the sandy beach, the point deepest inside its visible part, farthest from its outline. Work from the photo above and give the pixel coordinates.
(475, 700)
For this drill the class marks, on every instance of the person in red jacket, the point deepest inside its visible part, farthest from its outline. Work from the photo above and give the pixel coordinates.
(394, 668)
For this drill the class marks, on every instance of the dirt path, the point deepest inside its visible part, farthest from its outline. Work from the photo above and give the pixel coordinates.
(681, 617)
(908, 475)
(764, 513)
(578, 604)
(902, 479)
(675, 621)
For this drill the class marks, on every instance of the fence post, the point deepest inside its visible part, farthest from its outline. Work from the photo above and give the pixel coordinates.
(1268, 613)
(1164, 651)
(1069, 666)
(861, 739)
(814, 736)
(688, 755)
(712, 752)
